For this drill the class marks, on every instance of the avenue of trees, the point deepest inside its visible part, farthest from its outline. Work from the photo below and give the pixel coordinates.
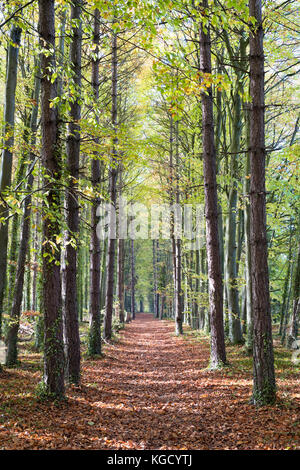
(160, 102)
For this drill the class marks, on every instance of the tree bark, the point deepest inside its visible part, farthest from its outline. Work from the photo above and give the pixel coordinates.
(71, 326)
(107, 327)
(263, 360)
(7, 156)
(293, 330)
(218, 354)
(154, 278)
(248, 289)
(132, 258)
(53, 338)
(13, 328)
(94, 346)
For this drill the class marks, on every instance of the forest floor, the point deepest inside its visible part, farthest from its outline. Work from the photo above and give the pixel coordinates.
(152, 390)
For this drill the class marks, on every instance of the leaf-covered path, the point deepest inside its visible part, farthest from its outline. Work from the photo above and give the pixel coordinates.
(151, 391)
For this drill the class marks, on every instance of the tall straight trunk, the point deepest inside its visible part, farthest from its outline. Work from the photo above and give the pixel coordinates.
(71, 326)
(121, 280)
(248, 289)
(120, 271)
(196, 310)
(35, 265)
(286, 284)
(157, 267)
(113, 195)
(218, 354)
(95, 269)
(13, 328)
(235, 332)
(154, 278)
(53, 336)
(103, 274)
(178, 266)
(263, 361)
(293, 330)
(132, 259)
(14, 237)
(7, 156)
(172, 221)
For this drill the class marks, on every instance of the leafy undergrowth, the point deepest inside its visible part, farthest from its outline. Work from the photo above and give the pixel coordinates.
(152, 390)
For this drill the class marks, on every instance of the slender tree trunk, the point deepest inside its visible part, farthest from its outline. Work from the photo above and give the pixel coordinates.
(248, 289)
(107, 327)
(178, 261)
(13, 328)
(154, 279)
(53, 349)
(286, 285)
(218, 354)
(263, 360)
(293, 330)
(235, 332)
(132, 258)
(121, 279)
(95, 273)
(71, 326)
(6, 160)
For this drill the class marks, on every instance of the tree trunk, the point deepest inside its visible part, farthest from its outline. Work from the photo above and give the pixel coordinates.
(263, 360)
(218, 354)
(154, 279)
(94, 346)
(6, 160)
(107, 326)
(132, 280)
(71, 327)
(53, 349)
(293, 331)
(248, 289)
(13, 328)
(235, 332)
(178, 261)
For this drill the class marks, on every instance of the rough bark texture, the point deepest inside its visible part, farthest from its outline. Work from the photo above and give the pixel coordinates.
(53, 348)
(107, 327)
(263, 361)
(6, 160)
(13, 327)
(235, 332)
(95, 270)
(218, 354)
(71, 327)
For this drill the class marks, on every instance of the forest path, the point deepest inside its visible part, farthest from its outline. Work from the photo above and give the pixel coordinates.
(152, 390)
